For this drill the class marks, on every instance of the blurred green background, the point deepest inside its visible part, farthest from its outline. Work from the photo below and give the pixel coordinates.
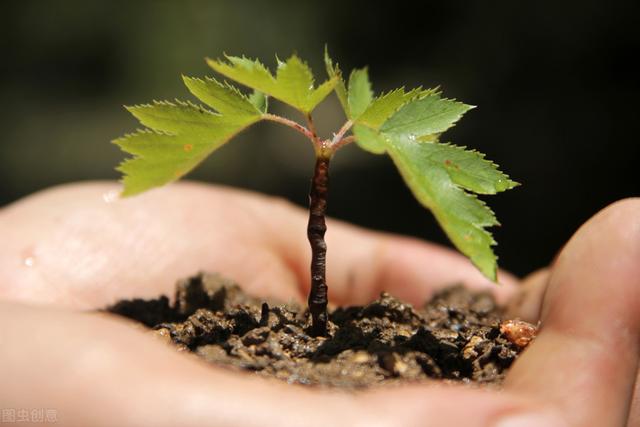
(554, 82)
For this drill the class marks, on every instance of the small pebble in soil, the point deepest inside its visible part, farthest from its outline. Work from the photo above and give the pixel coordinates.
(458, 335)
(519, 332)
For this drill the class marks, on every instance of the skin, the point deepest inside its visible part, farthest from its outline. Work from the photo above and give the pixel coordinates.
(71, 249)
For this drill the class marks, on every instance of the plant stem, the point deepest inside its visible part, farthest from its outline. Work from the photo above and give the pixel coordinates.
(321, 147)
(344, 141)
(315, 232)
(312, 129)
(343, 130)
(317, 207)
(292, 124)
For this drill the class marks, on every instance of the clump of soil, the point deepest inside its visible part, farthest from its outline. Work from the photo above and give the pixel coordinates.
(455, 336)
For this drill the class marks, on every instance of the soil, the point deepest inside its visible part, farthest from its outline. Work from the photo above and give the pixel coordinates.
(458, 335)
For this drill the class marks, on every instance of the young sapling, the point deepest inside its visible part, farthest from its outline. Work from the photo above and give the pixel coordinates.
(405, 124)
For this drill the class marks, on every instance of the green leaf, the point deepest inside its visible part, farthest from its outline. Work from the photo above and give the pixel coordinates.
(407, 126)
(468, 168)
(224, 98)
(378, 112)
(369, 139)
(462, 216)
(260, 101)
(246, 71)
(175, 118)
(360, 94)
(385, 105)
(425, 116)
(293, 83)
(333, 71)
(180, 135)
(320, 93)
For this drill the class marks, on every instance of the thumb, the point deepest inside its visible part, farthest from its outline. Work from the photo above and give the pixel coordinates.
(585, 358)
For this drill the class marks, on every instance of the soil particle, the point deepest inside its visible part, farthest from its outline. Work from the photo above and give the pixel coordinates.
(518, 332)
(457, 335)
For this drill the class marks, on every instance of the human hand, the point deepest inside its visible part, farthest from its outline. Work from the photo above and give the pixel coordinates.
(97, 370)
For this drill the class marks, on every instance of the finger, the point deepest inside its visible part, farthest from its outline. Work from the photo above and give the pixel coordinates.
(363, 264)
(99, 371)
(585, 358)
(526, 303)
(80, 246)
(634, 412)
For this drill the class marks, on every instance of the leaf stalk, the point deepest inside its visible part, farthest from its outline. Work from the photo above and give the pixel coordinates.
(290, 123)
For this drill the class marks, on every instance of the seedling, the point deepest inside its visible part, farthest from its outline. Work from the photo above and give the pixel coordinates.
(405, 124)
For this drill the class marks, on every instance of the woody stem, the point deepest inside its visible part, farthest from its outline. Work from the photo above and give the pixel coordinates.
(315, 232)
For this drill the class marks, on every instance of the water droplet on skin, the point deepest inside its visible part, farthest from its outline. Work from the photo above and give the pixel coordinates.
(29, 262)
(110, 196)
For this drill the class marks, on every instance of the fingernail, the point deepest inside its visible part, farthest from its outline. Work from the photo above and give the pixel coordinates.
(530, 420)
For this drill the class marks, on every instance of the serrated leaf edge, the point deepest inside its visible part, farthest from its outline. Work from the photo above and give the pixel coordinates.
(314, 90)
(482, 157)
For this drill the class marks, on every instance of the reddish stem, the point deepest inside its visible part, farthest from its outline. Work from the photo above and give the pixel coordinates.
(292, 124)
(315, 232)
(338, 137)
(344, 141)
(317, 208)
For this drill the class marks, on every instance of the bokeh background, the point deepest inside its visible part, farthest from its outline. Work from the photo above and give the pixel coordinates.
(554, 81)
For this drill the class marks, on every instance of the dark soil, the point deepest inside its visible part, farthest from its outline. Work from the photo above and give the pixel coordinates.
(455, 336)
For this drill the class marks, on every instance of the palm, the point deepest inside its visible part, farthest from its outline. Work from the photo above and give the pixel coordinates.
(82, 252)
